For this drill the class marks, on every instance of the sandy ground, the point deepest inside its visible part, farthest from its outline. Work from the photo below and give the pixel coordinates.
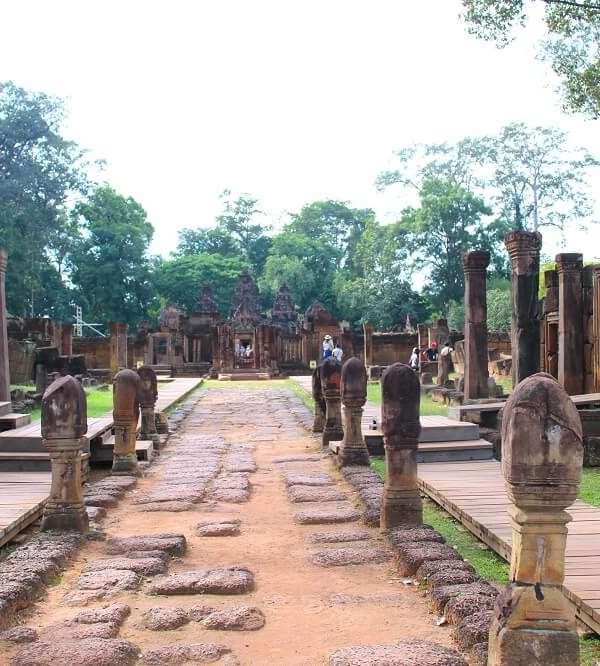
(304, 624)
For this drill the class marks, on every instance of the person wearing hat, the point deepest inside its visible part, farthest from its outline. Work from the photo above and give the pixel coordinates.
(327, 346)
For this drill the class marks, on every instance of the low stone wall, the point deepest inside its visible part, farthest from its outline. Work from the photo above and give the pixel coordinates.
(95, 349)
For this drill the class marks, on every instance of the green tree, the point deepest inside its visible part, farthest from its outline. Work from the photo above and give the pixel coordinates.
(571, 45)
(447, 224)
(499, 303)
(207, 241)
(110, 268)
(39, 170)
(180, 279)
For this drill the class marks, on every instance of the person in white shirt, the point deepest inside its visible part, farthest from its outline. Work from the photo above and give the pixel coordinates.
(337, 353)
(327, 346)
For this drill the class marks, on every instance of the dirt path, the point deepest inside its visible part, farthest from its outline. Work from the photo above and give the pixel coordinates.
(310, 610)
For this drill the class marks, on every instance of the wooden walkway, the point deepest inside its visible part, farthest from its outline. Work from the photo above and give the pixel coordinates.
(23, 494)
(474, 493)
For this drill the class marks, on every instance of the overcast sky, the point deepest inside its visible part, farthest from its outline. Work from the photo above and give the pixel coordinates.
(289, 101)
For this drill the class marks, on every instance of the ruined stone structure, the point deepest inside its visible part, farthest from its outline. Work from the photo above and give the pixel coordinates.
(148, 397)
(570, 318)
(401, 426)
(524, 250)
(542, 458)
(64, 424)
(126, 411)
(353, 388)
(331, 377)
(476, 338)
(4, 368)
(319, 400)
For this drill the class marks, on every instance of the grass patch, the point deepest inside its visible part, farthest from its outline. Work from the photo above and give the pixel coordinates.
(589, 490)
(428, 407)
(487, 564)
(98, 404)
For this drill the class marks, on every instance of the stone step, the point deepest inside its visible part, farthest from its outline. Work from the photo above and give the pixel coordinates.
(479, 449)
(35, 461)
(104, 452)
(14, 421)
(5, 408)
(144, 449)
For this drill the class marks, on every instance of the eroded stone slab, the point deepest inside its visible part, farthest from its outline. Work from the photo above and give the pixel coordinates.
(473, 629)
(237, 618)
(298, 458)
(435, 566)
(411, 556)
(442, 595)
(218, 529)
(459, 608)
(86, 652)
(146, 566)
(163, 619)
(308, 480)
(450, 577)
(400, 536)
(234, 496)
(340, 537)
(327, 515)
(174, 544)
(176, 655)
(315, 494)
(19, 635)
(226, 580)
(167, 507)
(341, 557)
(115, 614)
(404, 653)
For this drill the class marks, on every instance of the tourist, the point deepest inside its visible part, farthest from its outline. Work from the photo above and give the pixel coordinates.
(337, 353)
(327, 346)
(432, 352)
(414, 359)
(249, 351)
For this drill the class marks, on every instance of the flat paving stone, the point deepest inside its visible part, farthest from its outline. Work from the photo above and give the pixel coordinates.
(410, 556)
(308, 480)
(115, 614)
(218, 529)
(442, 595)
(451, 578)
(19, 635)
(341, 557)
(226, 580)
(459, 608)
(315, 494)
(435, 566)
(340, 537)
(147, 566)
(332, 514)
(298, 458)
(473, 629)
(176, 655)
(404, 653)
(236, 618)
(167, 507)
(86, 652)
(380, 599)
(101, 500)
(163, 619)
(234, 496)
(174, 544)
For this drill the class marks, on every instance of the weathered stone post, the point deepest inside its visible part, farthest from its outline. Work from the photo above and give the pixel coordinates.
(122, 343)
(596, 325)
(476, 339)
(4, 369)
(542, 457)
(126, 411)
(353, 450)
(368, 344)
(524, 250)
(148, 397)
(64, 423)
(319, 400)
(331, 376)
(570, 322)
(401, 393)
(67, 339)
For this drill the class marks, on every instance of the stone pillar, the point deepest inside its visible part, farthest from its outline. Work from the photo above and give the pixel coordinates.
(148, 396)
(126, 411)
(524, 250)
(368, 344)
(331, 376)
(114, 347)
(401, 394)
(353, 450)
(596, 325)
(64, 424)
(122, 345)
(4, 369)
(422, 336)
(67, 339)
(319, 400)
(476, 339)
(570, 322)
(542, 458)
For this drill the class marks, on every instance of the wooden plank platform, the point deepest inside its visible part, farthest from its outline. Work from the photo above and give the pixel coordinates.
(474, 493)
(22, 497)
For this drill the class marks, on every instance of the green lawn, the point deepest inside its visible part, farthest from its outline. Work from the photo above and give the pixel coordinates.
(428, 407)
(589, 491)
(98, 404)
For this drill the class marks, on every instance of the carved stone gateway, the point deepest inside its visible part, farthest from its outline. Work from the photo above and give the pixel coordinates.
(331, 376)
(148, 397)
(64, 424)
(126, 411)
(401, 426)
(542, 457)
(353, 450)
(319, 400)
(476, 338)
(524, 250)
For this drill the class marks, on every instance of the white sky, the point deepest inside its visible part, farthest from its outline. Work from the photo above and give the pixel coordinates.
(289, 101)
